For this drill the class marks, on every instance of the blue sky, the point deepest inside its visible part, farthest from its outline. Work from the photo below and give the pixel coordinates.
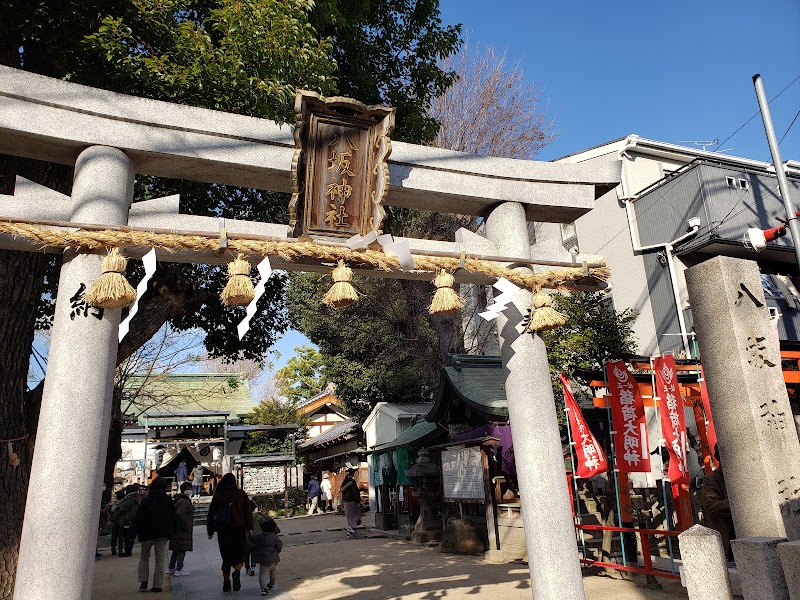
(666, 71)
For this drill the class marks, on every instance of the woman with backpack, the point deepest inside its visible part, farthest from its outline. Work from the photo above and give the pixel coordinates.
(231, 517)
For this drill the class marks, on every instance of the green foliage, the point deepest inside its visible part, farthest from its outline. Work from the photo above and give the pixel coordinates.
(593, 333)
(273, 411)
(239, 56)
(389, 52)
(244, 56)
(302, 377)
(381, 349)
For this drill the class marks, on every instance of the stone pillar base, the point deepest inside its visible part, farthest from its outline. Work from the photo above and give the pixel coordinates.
(494, 556)
(789, 553)
(705, 569)
(759, 567)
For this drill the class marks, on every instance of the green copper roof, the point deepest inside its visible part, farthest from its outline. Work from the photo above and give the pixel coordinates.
(418, 431)
(477, 381)
(187, 392)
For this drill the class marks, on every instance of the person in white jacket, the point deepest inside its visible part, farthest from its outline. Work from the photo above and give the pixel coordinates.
(326, 500)
(197, 479)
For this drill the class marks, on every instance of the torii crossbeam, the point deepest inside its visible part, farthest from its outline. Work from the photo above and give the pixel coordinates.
(111, 137)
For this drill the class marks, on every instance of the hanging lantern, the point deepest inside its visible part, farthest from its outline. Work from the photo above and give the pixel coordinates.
(111, 290)
(239, 289)
(342, 292)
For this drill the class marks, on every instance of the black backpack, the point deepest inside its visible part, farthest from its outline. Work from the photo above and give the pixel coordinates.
(223, 517)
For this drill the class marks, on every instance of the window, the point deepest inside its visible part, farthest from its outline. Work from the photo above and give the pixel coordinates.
(731, 182)
(743, 185)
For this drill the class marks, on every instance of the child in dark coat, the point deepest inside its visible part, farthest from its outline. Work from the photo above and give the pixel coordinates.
(266, 553)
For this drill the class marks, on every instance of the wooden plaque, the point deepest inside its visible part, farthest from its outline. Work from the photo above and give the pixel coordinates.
(339, 172)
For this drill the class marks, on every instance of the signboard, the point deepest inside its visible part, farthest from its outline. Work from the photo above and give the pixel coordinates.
(462, 475)
(339, 172)
(631, 447)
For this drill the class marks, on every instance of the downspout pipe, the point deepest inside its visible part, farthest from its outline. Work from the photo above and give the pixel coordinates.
(668, 247)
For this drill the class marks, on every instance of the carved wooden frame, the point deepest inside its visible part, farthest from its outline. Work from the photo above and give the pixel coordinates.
(310, 109)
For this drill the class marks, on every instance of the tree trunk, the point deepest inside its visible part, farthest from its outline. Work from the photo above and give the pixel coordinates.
(21, 277)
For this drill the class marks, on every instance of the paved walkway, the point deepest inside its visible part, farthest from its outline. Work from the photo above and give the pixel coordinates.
(319, 563)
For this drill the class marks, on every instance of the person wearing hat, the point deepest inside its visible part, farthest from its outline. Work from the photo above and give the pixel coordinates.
(326, 499)
(314, 493)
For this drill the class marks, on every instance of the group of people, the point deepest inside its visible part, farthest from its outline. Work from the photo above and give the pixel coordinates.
(320, 497)
(182, 475)
(244, 535)
(232, 515)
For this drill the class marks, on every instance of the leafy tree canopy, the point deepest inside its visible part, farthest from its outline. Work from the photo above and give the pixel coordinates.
(244, 56)
(382, 348)
(273, 411)
(593, 333)
(302, 377)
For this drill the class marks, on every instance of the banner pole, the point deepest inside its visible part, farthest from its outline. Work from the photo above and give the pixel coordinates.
(574, 481)
(667, 517)
(614, 463)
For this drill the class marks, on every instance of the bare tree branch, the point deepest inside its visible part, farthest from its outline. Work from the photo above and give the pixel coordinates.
(491, 110)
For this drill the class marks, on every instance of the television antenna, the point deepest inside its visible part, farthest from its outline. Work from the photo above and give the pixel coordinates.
(704, 143)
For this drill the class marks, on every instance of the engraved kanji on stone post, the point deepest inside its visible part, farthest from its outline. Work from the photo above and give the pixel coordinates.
(340, 176)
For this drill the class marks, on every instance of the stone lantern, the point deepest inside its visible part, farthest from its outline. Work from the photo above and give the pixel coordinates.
(425, 475)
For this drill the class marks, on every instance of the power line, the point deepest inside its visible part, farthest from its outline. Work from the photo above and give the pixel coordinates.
(636, 217)
(790, 126)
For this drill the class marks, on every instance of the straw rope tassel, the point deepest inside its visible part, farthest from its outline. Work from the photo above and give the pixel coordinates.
(239, 289)
(111, 290)
(543, 316)
(445, 301)
(342, 292)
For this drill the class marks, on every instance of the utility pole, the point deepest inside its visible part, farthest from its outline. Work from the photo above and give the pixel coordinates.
(783, 184)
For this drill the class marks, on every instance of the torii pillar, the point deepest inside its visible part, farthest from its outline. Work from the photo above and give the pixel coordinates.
(549, 529)
(59, 533)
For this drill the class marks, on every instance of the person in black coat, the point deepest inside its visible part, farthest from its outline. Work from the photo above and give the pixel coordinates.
(231, 517)
(154, 523)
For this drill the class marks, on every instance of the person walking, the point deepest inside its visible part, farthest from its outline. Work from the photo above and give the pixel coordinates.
(154, 523)
(181, 473)
(716, 507)
(181, 541)
(314, 493)
(231, 517)
(117, 537)
(260, 521)
(267, 548)
(351, 499)
(197, 479)
(124, 514)
(327, 496)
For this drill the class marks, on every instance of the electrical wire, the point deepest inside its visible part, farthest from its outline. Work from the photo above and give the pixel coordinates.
(636, 217)
(790, 126)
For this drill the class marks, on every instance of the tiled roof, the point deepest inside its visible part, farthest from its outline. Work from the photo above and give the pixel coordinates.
(337, 431)
(184, 392)
(478, 381)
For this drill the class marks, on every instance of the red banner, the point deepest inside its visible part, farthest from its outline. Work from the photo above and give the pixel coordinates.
(589, 457)
(710, 431)
(673, 418)
(627, 415)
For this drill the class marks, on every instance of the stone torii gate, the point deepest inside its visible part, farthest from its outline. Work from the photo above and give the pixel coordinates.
(111, 137)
